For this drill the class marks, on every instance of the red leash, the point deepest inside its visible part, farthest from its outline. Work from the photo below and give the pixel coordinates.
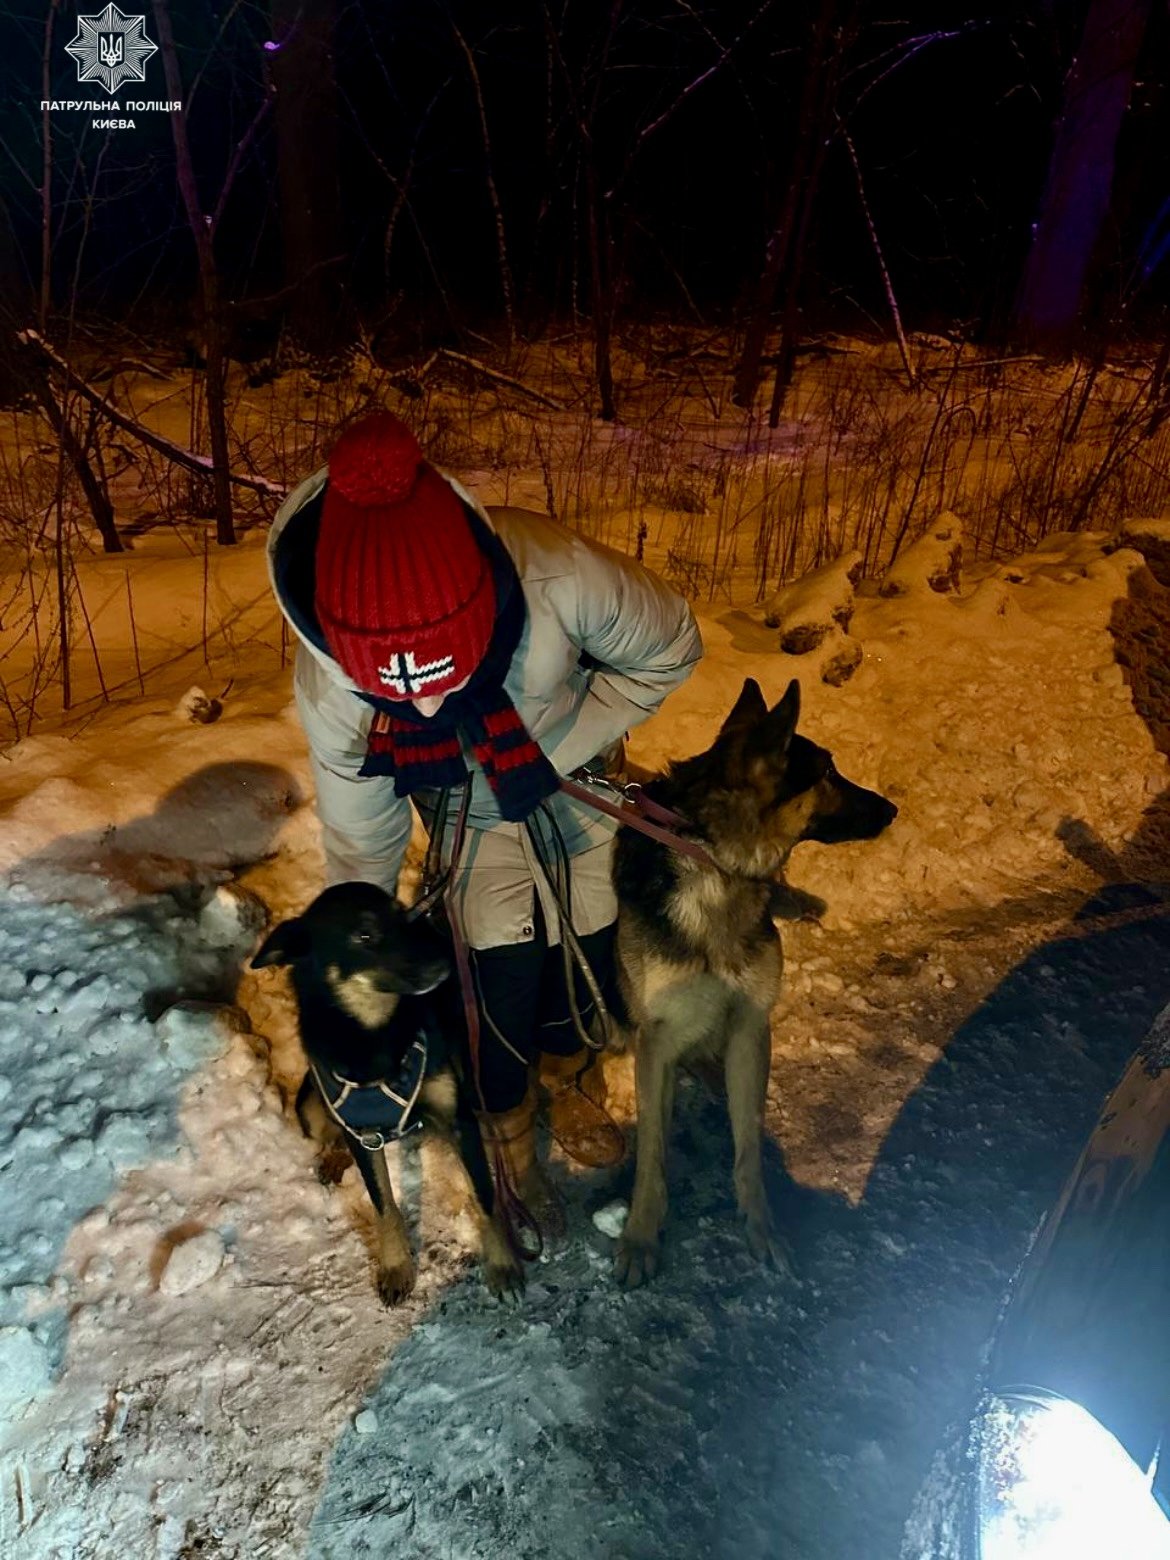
(642, 813)
(514, 1216)
(637, 811)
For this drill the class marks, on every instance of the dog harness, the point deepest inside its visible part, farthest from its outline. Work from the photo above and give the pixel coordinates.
(380, 1112)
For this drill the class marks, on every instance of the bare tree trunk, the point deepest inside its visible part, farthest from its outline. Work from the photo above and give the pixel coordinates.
(601, 288)
(783, 256)
(601, 282)
(505, 268)
(62, 590)
(1076, 196)
(793, 279)
(95, 494)
(311, 217)
(46, 297)
(200, 225)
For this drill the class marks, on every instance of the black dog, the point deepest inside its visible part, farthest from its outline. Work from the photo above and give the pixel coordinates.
(379, 1065)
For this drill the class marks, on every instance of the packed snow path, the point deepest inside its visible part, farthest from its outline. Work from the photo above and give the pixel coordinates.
(723, 1411)
(193, 1361)
(727, 1412)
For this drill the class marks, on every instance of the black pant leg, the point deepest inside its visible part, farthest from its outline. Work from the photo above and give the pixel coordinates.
(507, 988)
(556, 1032)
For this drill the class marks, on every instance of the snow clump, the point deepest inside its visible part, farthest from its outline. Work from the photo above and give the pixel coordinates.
(807, 610)
(933, 561)
(191, 1263)
(200, 707)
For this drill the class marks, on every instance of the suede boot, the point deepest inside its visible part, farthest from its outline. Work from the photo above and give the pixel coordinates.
(577, 1116)
(511, 1134)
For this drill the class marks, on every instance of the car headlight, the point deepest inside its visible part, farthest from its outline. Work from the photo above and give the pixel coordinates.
(1055, 1485)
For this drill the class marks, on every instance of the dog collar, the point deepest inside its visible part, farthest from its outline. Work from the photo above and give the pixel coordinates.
(379, 1112)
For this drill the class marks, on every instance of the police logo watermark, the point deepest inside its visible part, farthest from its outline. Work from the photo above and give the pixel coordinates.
(111, 49)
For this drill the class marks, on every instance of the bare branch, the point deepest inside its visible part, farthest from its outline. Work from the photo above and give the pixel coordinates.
(693, 86)
(237, 158)
(489, 178)
(156, 441)
(887, 284)
(482, 369)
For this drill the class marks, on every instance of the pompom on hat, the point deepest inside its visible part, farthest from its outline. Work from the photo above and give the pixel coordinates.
(404, 594)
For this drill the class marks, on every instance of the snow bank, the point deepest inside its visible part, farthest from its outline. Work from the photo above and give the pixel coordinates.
(193, 1356)
(811, 607)
(996, 716)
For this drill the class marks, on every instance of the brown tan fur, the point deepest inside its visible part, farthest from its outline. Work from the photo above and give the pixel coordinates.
(438, 1101)
(699, 956)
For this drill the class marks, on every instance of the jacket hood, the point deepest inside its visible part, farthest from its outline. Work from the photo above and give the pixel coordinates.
(291, 552)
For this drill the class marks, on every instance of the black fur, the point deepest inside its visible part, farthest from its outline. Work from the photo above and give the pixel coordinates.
(358, 930)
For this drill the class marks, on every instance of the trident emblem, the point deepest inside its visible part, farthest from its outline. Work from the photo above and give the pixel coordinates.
(111, 49)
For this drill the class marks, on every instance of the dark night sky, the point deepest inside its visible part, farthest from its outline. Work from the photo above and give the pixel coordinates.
(953, 147)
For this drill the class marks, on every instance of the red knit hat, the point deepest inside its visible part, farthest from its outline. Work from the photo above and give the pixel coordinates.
(404, 595)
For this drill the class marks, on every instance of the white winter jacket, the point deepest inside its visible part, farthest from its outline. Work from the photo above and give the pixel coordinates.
(603, 644)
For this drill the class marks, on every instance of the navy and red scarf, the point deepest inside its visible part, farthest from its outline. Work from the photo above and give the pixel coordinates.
(426, 752)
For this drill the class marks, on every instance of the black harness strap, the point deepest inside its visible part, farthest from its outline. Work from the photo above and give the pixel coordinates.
(380, 1112)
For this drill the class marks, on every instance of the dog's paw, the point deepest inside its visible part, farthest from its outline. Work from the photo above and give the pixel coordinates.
(636, 1261)
(505, 1280)
(769, 1247)
(395, 1283)
(331, 1166)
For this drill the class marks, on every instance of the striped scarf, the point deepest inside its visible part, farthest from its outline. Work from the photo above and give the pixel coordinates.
(426, 753)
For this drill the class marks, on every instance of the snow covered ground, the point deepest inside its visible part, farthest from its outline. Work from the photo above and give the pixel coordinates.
(193, 1361)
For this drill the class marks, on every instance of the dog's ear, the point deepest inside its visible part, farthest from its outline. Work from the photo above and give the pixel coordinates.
(285, 944)
(770, 735)
(750, 707)
(782, 717)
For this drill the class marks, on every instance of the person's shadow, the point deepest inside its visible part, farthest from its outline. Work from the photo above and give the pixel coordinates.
(211, 825)
(163, 868)
(103, 930)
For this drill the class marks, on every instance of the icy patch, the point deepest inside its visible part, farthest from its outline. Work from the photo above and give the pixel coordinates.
(87, 1083)
(194, 1033)
(24, 1369)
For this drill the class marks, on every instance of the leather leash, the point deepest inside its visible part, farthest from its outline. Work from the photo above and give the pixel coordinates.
(514, 1216)
(642, 813)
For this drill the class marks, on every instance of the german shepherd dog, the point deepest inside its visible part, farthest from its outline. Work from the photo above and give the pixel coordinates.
(698, 953)
(365, 979)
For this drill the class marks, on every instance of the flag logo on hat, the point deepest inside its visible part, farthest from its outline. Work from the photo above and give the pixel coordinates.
(408, 676)
(403, 592)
